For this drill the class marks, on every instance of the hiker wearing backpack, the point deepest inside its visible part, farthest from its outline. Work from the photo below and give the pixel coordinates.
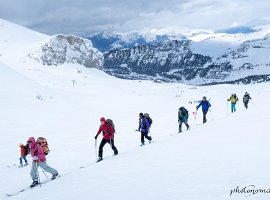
(39, 160)
(246, 99)
(205, 107)
(144, 127)
(182, 118)
(107, 129)
(233, 100)
(24, 152)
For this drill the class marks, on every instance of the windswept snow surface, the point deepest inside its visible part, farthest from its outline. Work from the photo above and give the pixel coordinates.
(64, 106)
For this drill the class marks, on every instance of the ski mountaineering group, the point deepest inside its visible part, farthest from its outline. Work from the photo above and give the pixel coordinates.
(38, 149)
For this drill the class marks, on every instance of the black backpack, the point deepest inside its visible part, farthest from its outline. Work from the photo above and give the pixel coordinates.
(183, 110)
(110, 123)
(146, 115)
(27, 150)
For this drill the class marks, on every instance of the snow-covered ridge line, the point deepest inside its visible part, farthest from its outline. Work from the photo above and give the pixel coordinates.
(192, 62)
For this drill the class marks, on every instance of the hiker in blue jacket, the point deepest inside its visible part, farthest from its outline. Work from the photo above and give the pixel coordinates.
(144, 129)
(205, 107)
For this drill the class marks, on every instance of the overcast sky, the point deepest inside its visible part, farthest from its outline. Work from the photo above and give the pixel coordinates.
(90, 16)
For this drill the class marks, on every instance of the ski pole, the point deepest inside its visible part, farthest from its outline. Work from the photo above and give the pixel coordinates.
(227, 108)
(44, 173)
(149, 132)
(195, 116)
(96, 148)
(111, 147)
(38, 173)
(211, 114)
(252, 103)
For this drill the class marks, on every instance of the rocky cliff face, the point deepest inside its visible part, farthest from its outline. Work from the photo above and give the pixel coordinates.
(69, 49)
(171, 60)
(180, 61)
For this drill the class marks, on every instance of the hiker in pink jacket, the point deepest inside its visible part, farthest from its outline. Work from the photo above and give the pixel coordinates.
(39, 159)
(36, 151)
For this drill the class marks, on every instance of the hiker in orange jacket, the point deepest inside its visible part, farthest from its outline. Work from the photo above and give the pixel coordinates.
(23, 155)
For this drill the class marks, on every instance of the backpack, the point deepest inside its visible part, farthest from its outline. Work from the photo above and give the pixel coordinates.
(183, 112)
(44, 144)
(110, 123)
(27, 150)
(146, 115)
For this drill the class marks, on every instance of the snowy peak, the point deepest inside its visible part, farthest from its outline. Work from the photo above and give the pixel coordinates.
(62, 49)
(205, 62)
(109, 41)
(257, 32)
(105, 42)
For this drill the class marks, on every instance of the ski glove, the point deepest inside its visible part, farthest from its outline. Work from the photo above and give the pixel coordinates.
(35, 158)
(96, 137)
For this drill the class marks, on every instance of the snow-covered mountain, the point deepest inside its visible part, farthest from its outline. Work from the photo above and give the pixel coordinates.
(105, 42)
(198, 60)
(207, 162)
(166, 61)
(29, 46)
(203, 58)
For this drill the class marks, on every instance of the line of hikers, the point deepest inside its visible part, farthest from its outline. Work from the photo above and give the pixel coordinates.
(183, 112)
(39, 149)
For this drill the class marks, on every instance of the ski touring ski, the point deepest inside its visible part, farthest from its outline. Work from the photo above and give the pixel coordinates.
(17, 166)
(30, 188)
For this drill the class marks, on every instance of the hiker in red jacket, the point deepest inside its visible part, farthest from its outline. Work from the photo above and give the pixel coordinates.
(107, 130)
(39, 159)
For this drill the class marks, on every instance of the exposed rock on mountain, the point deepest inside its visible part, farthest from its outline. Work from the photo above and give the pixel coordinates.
(69, 49)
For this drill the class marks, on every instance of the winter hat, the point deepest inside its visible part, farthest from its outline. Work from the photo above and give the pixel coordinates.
(20, 144)
(102, 119)
(141, 114)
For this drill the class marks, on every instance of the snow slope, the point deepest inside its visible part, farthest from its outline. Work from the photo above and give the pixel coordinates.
(206, 162)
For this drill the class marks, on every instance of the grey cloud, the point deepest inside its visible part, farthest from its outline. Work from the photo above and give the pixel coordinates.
(89, 16)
